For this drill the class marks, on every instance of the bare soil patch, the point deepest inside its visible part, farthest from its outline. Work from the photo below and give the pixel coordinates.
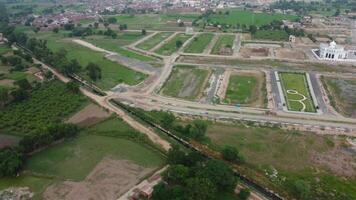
(7, 83)
(89, 115)
(282, 53)
(109, 180)
(8, 140)
(253, 52)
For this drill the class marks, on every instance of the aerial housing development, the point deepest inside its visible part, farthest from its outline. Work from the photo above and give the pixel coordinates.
(178, 99)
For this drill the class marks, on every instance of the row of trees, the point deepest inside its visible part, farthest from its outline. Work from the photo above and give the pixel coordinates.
(191, 176)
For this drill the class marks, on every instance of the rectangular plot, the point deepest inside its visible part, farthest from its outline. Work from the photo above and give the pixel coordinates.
(297, 92)
(154, 40)
(171, 46)
(199, 43)
(240, 89)
(223, 45)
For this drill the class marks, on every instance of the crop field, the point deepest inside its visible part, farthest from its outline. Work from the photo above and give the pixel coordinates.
(342, 94)
(235, 16)
(186, 82)
(50, 103)
(312, 159)
(271, 35)
(199, 43)
(112, 73)
(224, 41)
(154, 40)
(241, 89)
(296, 91)
(105, 154)
(170, 46)
(114, 45)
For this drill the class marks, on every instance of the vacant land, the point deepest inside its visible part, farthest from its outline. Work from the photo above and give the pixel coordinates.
(253, 52)
(243, 89)
(235, 16)
(271, 35)
(89, 115)
(223, 45)
(50, 103)
(342, 94)
(171, 46)
(112, 73)
(296, 91)
(284, 53)
(101, 163)
(115, 45)
(154, 40)
(186, 82)
(293, 157)
(199, 43)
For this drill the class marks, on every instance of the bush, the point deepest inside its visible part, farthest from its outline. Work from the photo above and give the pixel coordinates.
(11, 161)
(232, 154)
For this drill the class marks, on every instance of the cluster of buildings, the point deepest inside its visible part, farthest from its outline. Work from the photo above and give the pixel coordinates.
(56, 20)
(334, 52)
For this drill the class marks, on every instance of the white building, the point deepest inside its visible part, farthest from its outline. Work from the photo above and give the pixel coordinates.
(332, 51)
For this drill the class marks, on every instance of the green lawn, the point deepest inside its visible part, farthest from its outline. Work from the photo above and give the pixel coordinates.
(236, 16)
(4, 49)
(112, 73)
(170, 46)
(199, 43)
(297, 82)
(271, 35)
(114, 45)
(185, 82)
(154, 40)
(241, 89)
(222, 42)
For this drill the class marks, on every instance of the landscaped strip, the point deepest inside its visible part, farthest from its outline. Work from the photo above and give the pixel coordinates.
(172, 46)
(154, 41)
(224, 41)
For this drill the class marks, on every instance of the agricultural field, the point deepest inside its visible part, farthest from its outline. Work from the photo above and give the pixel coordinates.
(199, 43)
(186, 82)
(115, 45)
(154, 40)
(170, 46)
(246, 89)
(296, 92)
(275, 35)
(112, 73)
(106, 154)
(235, 16)
(224, 41)
(50, 103)
(342, 94)
(321, 163)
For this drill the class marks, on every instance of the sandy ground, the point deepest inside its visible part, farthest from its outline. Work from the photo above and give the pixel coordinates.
(253, 52)
(7, 82)
(89, 115)
(282, 53)
(223, 84)
(108, 181)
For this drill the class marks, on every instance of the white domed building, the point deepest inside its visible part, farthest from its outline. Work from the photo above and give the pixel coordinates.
(332, 51)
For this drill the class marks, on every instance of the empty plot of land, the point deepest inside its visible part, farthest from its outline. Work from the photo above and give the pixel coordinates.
(154, 40)
(186, 82)
(199, 43)
(246, 88)
(296, 92)
(8, 140)
(89, 115)
(284, 53)
(342, 94)
(223, 45)
(253, 52)
(173, 44)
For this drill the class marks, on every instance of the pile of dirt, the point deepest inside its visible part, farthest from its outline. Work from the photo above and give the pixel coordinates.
(89, 115)
(109, 180)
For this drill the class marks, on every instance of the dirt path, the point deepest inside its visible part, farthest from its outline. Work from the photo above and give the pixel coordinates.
(163, 42)
(91, 46)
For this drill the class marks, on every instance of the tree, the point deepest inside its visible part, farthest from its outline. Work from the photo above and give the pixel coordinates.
(19, 94)
(253, 29)
(175, 156)
(232, 154)
(4, 96)
(244, 194)
(123, 27)
(302, 189)
(200, 189)
(96, 25)
(55, 30)
(23, 84)
(94, 71)
(163, 191)
(11, 162)
(176, 175)
(167, 120)
(72, 86)
(143, 31)
(112, 20)
(179, 44)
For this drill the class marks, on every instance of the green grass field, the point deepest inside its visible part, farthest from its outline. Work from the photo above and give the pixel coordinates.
(4, 49)
(154, 40)
(290, 153)
(75, 158)
(298, 86)
(199, 43)
(271, 35)
(241, 89)
(185, 82)
(114, 45)
(170, 46)
(241, 17)
(112, 72)
(222, 42)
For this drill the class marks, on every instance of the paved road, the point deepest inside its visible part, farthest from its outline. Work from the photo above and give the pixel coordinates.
(318, 93)
(275, 91)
